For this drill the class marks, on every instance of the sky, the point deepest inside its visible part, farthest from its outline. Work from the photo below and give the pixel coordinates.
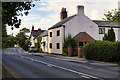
(46, 13)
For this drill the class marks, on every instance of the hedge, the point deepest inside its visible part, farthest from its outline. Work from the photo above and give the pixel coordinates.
(102, 51)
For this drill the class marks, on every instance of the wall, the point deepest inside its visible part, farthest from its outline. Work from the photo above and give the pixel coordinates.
(119, 34)
(84, 38)
(106, 31)
(32, 41)
(81, 23)
(44, 39)
(55, 39)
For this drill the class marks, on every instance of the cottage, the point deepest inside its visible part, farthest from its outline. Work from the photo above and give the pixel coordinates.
(79, 26)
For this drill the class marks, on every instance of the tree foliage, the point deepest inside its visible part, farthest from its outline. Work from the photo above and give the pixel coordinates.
(113, 15)
(110, 36)
(10, 11)
(27, 44)
(8, 41)
(38, 44)
(22, 37)
(69, 41)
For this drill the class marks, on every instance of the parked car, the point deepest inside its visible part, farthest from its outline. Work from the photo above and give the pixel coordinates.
(32, 49)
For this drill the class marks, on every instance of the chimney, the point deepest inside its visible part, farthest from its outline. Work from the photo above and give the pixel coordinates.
(32, 28)
(80, 10)
(63, 13)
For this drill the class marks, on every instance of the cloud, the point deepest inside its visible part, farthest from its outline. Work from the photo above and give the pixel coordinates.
(94, 10)
(99, 7)
(42, 4)
(94, 14)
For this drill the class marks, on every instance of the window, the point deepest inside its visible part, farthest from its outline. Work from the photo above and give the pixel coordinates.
(80, 43)
(50, 45)
(50, 34)
(101, 30)
(58, 32)
(85, 42)
(58, 45)
(43, 43)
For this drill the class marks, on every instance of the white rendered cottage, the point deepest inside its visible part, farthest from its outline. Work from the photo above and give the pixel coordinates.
(74, 25)
(44, 41)
(34, 35)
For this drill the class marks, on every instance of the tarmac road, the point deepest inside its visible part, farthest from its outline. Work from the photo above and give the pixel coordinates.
(30, 66)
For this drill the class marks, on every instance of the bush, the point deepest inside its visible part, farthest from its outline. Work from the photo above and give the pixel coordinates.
(102, 51)
(38, 44)
(110, 36)
(69, 41)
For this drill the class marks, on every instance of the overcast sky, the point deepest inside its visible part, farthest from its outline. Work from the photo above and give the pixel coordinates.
(47, 13)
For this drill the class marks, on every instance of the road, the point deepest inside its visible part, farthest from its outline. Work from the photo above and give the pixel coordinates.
(30, 66)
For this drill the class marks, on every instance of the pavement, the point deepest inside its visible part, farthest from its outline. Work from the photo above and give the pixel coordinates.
(78, 60)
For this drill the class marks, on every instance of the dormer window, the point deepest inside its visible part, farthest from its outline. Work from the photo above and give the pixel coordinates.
(58, 32)
(101, 30)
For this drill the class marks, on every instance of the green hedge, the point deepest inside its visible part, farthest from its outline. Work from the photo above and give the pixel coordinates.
(102, 51)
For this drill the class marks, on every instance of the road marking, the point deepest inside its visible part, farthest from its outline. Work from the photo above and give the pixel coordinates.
(63, 68)
(60, 59)
(75, 71)
(67, 69)
(68, 60)
(85, 77)
(49, 65)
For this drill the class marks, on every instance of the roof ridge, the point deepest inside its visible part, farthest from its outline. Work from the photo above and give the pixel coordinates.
(58, 24)
(104, 21)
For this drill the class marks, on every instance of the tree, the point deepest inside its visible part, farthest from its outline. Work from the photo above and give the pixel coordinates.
(105, 37)
(22, 37)
(8, 41)
(26, 45)
(113, 15)
(10, 12)
(110, 36)
(38, 44)
(69, 41)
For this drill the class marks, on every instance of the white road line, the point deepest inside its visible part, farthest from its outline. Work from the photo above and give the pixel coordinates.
(67, 69)
(85, 77)
(75, 71)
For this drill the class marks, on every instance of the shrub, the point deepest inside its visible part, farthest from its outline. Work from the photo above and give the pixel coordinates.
(110, 36)
(38, 44)
(69, 41)
(102, 51)
(116, 47)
